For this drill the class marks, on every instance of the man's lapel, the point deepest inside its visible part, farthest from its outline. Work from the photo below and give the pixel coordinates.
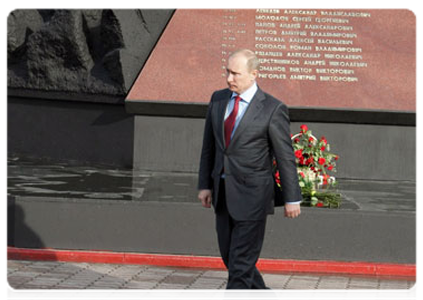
(221, 116)
(250, 114)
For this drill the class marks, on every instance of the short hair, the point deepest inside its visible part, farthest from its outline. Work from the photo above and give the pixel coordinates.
(253, 62)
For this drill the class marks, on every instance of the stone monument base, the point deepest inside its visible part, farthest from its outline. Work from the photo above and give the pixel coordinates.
(64, 207)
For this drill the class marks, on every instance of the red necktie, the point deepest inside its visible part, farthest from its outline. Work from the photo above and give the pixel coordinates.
(230, 121)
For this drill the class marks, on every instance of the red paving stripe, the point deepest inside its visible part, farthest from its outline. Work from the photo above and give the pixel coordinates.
(270, 265)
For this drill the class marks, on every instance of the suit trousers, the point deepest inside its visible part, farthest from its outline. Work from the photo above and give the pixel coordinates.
(240, 243)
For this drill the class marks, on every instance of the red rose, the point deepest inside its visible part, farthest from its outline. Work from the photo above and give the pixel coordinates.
(323, 148)
(310, 139)
(322, 161)
(336, 157)
(319, 204)
(296, 140)
(325, 178)
(304, 128)
(299, 153)
(330, 168)
(323, 139)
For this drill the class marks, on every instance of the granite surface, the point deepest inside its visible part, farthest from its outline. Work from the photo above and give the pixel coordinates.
(371, 62)
(59, 180)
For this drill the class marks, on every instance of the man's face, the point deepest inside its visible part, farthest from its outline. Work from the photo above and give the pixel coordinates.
(239, 78)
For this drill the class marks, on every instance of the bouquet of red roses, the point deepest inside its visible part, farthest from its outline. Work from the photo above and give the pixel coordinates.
(314, 162)
(313, 155)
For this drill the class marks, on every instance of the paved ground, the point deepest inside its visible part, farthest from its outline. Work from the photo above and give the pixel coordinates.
(61, 275)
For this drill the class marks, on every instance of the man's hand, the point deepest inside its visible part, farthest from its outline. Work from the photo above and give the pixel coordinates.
(205, 197)
(292, 210)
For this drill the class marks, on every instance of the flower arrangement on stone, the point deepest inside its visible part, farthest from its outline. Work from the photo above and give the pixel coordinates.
(314, 162)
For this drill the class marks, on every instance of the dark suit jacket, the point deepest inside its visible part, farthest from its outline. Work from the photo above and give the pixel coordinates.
(262, 133)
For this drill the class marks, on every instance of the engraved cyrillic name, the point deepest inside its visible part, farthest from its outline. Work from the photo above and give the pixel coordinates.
(307, 45)
(234, 33)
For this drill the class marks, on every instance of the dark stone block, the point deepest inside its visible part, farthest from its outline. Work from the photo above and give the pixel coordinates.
(70, 131)
(10, 220)
(188, 228)
(58, 53)
(20, 24)
(80, 51)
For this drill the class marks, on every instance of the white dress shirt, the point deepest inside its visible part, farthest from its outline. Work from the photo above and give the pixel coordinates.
(246, 98)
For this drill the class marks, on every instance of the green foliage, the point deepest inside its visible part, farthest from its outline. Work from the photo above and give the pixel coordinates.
(320, 198)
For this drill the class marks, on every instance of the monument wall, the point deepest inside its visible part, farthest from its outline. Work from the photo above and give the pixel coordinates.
(345, 59)
(148, 76)
(87, 55)
(130, 88)
(68, 74)
(348, 74)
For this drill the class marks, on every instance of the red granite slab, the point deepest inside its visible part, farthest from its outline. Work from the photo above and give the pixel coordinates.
(187, 64)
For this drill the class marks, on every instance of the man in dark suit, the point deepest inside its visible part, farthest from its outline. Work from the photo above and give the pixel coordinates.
(245, 128)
